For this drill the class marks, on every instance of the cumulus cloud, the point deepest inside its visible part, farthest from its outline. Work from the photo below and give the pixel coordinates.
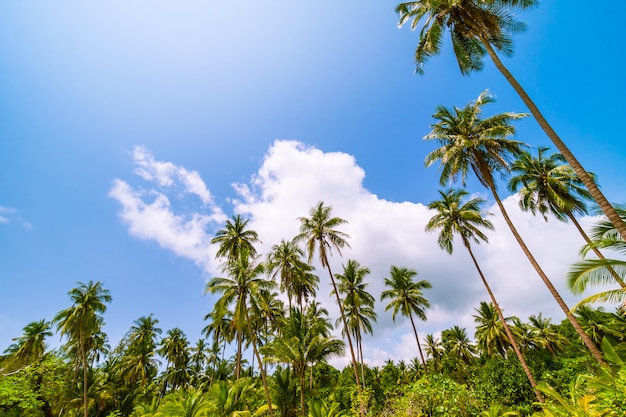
(294, 177)
(150, 214)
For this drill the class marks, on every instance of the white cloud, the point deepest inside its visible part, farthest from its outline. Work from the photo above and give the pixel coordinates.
(165, 174)
(150, 214)
(294, 177)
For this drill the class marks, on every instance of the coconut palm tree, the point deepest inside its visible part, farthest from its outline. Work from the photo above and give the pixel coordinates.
(245, 281)
(549, 185)
(469, 142)
(285, 260)
(545, 335)
(304, 341)
(234, 238)
(477, 27)
(596, 271)
(490, 334)
(138, 362)
(31, 345)
(358, 304)
(407, 298)
(174, 348)
(319, 234)
(455, 217)
(434, 350)
(81, 324)
(458, 345)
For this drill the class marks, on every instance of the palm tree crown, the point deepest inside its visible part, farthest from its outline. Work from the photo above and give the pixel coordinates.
(234, 238)
(469, 142)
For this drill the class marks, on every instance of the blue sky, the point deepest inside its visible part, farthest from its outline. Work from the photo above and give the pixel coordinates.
(273, 106)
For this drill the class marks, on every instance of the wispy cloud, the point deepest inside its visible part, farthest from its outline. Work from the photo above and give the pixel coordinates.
(10, 215)
(150, 214)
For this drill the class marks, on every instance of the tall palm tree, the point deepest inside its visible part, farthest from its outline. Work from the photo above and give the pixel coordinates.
(434, 349)
(549, 185)
(285, 260)
(477, 27)
(304, 342)
(545, 335)
(490, 334)
(458, 345)
(319, 234)
(305, 284)
(407, 298)
(239, 290)
(234, 238)
(175, 349)
(138, 362)
(31, 345)
(482, 145)
(455, 217)
(357, 303)
(82, 325)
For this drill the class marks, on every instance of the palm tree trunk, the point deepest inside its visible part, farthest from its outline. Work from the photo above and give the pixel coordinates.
(419, 346)
(359, 343)
(238, 360)
(85, 375)
(614, 274)
(345, 326)
(585, 338)
(596, 194)
(302, 383)
(529, 375)
(268, 398)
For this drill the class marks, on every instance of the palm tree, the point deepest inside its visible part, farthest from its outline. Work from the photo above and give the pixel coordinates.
(478, 27)
(240, 289)
(456, 217)
(304, 342)
(358, 304)
(175, 349)
(406, 297)
(82, 325)
(458, 345)
(490, 334)
(545, 335)
(471, 143)
(594, 271)
(138, 362)
(305, 284)
(548, 185)
(234, 238)
(31, 345)
(319, 234)
(434, 349)
(285, 260)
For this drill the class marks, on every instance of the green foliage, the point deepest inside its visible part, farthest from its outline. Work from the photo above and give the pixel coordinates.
(502, 381)
(436, 396)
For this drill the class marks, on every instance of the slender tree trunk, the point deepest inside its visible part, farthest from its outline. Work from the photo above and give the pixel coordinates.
(600, 199)
(593, 247)
(585, 338)
(85, 375)
(359, 347)
(419, 345)
(238, 359)
(261, 368)
(345, 326)
(529, 375)
(302, 384)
